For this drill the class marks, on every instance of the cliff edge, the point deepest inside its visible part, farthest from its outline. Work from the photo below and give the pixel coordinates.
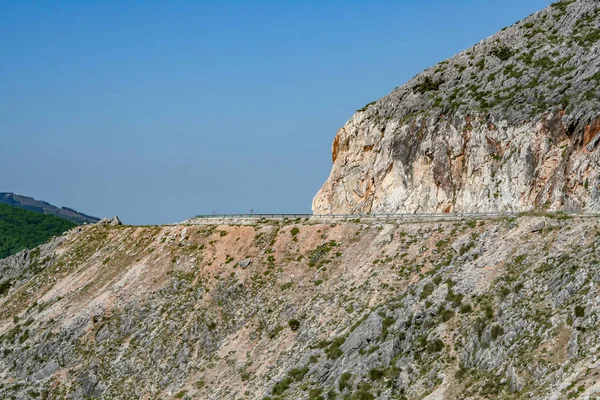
(511, 124)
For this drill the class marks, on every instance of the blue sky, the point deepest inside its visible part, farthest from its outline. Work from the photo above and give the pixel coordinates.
(159, 110)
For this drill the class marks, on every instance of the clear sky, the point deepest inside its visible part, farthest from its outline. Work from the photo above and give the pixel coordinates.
(159, 110)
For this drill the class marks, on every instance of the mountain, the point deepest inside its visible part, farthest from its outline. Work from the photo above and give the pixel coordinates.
(31, 204)
(323, 308)
(511, 124)
(370, 309)
(21, 229)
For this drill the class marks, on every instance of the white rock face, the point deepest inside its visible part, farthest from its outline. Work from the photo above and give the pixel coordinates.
(432, 166)
(512, 124)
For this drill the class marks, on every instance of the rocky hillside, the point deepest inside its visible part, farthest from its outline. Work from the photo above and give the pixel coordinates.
(43, 207)
(363, 309)
(508, 125)
(474, 309)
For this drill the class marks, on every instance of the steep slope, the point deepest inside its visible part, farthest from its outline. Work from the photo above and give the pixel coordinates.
(43, 207)
(21, 229)
(473, 309)
(508, 125)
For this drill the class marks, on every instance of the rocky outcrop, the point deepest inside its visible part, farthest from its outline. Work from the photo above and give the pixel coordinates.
(511, 124)
(114, 221)
(20, 267)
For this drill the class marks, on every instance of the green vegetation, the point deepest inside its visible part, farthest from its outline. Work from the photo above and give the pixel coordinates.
(497, 331)
(428, 85)
(562, 5)
(334, 351)
(295, 231)
(297, 374)
(345, 381)
(427, 291)
(275, 332)
(481, 64)
(454, 298)
(502, 52)
(42, 207)
(21, 229)
(316, 256)
(294, 324)
(435, 346)
(376, 374)
(367, 106)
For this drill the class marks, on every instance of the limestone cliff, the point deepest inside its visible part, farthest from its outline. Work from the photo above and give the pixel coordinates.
(511, 124)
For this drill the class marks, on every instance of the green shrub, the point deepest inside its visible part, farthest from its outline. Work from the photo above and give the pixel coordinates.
(24, 336)
(461, 373)
(466, 309)
(364, 392)
(579, 311)
(367, 106)
(275, 332)
(376, 374)
(436, 346)
(497, 331)
(5, 287)
(428, 85)
(502, 52)
(454, 298)
(518, 287)
(385, 326)
(297, 374)
(345, 381)
(281, 386)
(316, 394)
(294, 324)
(333, 351)
(489, 312)
(447, 315)
(427, 291)
(479, 325)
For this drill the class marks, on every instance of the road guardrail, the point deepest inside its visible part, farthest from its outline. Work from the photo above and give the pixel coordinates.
(393, 215)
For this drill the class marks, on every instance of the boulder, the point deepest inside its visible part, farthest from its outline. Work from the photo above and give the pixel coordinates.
(538, 226)
(461, 242)
(114, 221)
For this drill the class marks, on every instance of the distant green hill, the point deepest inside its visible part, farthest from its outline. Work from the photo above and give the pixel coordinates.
(29, 203)
(21, 229)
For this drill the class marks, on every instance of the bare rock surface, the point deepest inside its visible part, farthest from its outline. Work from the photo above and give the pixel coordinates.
(473, 309)
(511, 124)
(114, 221)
